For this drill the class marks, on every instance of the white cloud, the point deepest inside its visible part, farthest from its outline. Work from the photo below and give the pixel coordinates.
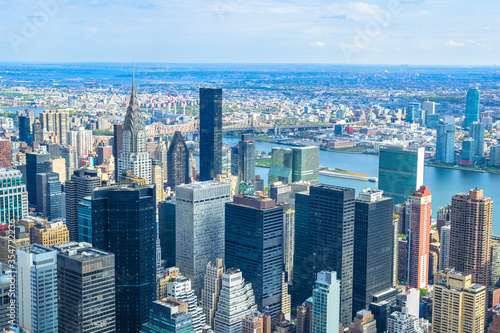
(318, 44)
(454, 44)
(92, 30)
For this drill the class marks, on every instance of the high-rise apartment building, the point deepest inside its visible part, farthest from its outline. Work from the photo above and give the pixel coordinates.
(180, 289)
(445, 241)
(476, 132)
(254, 244)
(5, 154)
(458, 304)
(246, 160)
(468, 154)
(401, 171)
(13, 196)
(5, 279)
(373, 247)
(326, 303)
(178, 162)
(412, 112)
(494, 266)
(495, 156)
(168, 316)
(35, 163)
(117, 147)
(49, 195)
(210, 133)
(86, 288)
(445, 144)
(81, 184)
(57, 122)
(36, 288)
(304, 317)
(200, 232)
(21, 238)
(82, 140)
(471, 216)
(471, 107)
(211, 290)
(418, 216)
(236, 301)
(402, 322)
(134, 156)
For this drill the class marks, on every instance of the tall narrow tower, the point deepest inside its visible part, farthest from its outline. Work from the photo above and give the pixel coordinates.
(210, 133)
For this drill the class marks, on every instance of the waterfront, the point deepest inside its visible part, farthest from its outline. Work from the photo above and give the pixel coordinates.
(443, 183)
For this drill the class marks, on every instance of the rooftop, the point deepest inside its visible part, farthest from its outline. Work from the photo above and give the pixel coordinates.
(80, 251)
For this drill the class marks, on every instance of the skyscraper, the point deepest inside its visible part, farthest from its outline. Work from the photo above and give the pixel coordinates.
(210, 133)
(49, 195)
(36, 288)
(458, 305)
(468, 151)
(81, 140)
(288, 241)
(418, 215)
(166, 228)
(401, 171)
(49, 233)
(326, 300)
(444, 239)
(134, 156)
(180, 289)
(35, 163)
(471, 107)
(57, 122)
(178, 161)
(25, 130)
(470, 234)
(124, 220)
(301, 267)
(364, 322)
(445, 141)
(13, 197)
(495, 156)
(373, 247)
(246, 160)
(117, 147)
(37, 131)
(304, 316)
(169, 316)
(5, 154)
(254, 244)
(281, 166)
(412, 112)
(81, 184)
(211, 290)
(199, 219)
(476, 132)
(305, 165)
(84, 274)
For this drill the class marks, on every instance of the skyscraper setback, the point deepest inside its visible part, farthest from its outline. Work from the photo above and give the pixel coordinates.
(210, 133)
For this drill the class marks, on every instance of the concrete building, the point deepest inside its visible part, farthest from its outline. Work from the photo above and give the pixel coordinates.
(5, 154)
(246, 159)
(326, 303)
(13, 196)
(180, 289)
(50, 233)
(304, 317)
(458, 304)
(444, 258)
(211, 290)
(253, 323)
(364, 322)
(57, 122)
(168, 316)
(494, 269)
(49, 195)
(5, 288)
(495, 156)
(178, 162)
(288, 241)
(402, 322)
(82, 140)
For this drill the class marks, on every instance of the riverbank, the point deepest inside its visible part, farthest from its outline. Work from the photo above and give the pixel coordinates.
(459, 168)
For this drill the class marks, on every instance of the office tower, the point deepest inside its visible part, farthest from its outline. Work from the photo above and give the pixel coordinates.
(124, 223)
(430, 110)
(35, 163)
(476, 132)
(178, 162)
(37, 131)
(134, 156)
(235, 156)
(471, 107)
(364, 322)
(395, 251)
(49, 233)
(117, 146)
(86, 288)
(402, 322)
(305, 165)
(258, 184)
(403, 259)
(286, 299)
(301, 269)
(373, 247)
(168, 316)
(418, 215)
(157, 180)
(211, 290)
(52, 148)
(254, 244)
(231, 180)
(326, 303)
(226, 159)
(235, 302)
(280, 192)
(166, 228)
(468, 155)
(199, 217)
(304, 317)
(246, 160)
(180, 289)
(81, 140)
(49, 195)
(330, 243)
(69, 156)
(163, 278)
(458, 304)
(494, 266)
(57, 122)
(470, 234)
(412, 112)
(59, 167)
(401, 171)
(288, 241)
(36, 288)
(160, 154)
(281, 166)
(81, 184)
(13, 197)
(445, 143)
(85, 220)
(5, 279)
(104, 153)
(25, 130)
(444, 238)
(5, 154)
(253, 323)
(210, 133)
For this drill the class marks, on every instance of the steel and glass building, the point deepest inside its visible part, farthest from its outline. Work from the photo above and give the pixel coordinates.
(301, 263)
(468, 154)
(210, 133)
(412, 112)
(305, 165)
(13, 196)
(476, 132)
(49, 195)
(401, 171)
(168, 316)
(281, 166)
(326, 303)
(254, 244)
(36, 162)
(178, 162)
(246, 160)
(25, 130)
(166, 228)
(445, 144)
(471, 107)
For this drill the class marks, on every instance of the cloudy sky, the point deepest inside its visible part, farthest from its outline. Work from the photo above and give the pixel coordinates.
(435, 32)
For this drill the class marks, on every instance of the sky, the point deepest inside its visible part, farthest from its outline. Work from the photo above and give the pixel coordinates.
(413, 32)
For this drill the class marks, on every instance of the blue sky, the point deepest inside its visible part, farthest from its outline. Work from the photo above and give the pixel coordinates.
(424, 32)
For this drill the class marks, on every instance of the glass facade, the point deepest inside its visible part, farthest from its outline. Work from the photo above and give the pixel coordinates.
(445, 143)
(302, 265)
(281, 166)
(305, 164)
(210, 133)
(166, 215)
(246, 160)
(178, 162)
(471, 107)
(476, 132)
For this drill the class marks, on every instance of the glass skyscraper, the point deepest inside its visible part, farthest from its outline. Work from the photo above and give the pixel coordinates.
(326, 301)
(476, 132)
(210, 133)
(401, 171)
(178, 161)
(35, 163)
(281, 166)
(305, 164)
(13, 196)
(445, 143)
(471, 107)
(302, 265)
(412, 112)
(246, 160)
(166, 226)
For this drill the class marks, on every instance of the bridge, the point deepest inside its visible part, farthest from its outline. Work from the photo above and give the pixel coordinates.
(159, 129)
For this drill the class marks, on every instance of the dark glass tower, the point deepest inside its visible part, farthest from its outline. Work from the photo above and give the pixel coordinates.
(254, 244)
(302, 265)
(246, 159)
(330, 244)
(127, 214)
(117, 147)
(35, 163)
(49, 195)
(471, 107)
(25, 130)
(373, 247)
(178, 161)
(166, 216)
(210, 133)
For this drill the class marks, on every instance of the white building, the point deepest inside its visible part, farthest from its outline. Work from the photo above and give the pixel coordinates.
(444, 238)
(80, 139)
(200, 227)
(180, 289)
(211, 290)
(326, 303)
(402, 322)
(235, 302)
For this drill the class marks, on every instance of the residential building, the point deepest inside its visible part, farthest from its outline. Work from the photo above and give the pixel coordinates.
(494, 269)
(445, 144)
(495, 156)
(13, 196)
(468, 155)
(304, 317)
(57, 122)
(253, 323)
(210, 133)
(326, 303)
(402, 322)
(444, 259)
(21, 238)
(82, 140)
(5, 154)
(476, 132)
(5, 280)
(288, 241)
(211, 290)
(472, 107)
(178, 162)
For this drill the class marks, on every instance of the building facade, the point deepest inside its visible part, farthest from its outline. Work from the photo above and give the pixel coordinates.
(445, 144)
(210, 133)
(178, 162)
(211, 290)
(326, 303)
(471, 107)
(13, 196)
(57, 122)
